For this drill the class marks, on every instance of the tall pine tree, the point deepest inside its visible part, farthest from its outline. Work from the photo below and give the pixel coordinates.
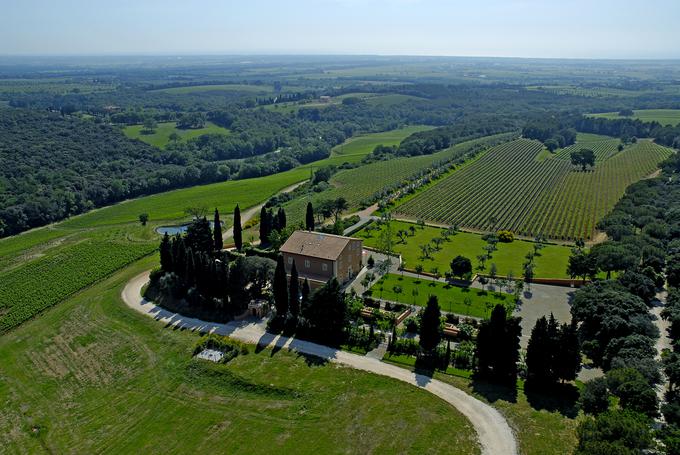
(280, 289)
(282, 218)
(217, 231)
(238, 230)
(294, 293)
(309, 217)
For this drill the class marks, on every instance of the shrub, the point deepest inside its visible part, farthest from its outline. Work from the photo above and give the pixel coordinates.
(505, 236)
(230, 347)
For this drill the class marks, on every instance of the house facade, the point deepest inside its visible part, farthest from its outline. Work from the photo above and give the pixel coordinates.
(320, 257)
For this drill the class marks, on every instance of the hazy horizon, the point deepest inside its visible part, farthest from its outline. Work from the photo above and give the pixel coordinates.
(491, 28)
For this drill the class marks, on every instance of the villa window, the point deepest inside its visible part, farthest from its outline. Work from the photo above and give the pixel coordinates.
(307, 263)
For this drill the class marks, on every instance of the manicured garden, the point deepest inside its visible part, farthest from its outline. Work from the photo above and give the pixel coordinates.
(551, 261)
(455, 299)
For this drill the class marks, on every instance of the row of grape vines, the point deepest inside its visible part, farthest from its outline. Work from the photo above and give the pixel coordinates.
(509, 189)
(40, 283)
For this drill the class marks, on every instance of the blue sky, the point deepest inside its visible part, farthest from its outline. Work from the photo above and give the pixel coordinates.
(510, 28)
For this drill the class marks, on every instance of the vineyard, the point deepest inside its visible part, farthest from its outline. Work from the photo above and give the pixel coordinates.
(508, 188)
(38, 284)
(361, 185)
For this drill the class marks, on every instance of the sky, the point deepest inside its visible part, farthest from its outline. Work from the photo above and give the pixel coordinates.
(495, 28)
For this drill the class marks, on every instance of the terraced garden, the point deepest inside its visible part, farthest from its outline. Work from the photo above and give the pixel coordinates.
(509, 188)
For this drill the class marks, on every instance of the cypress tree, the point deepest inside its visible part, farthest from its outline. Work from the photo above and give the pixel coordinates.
(309, 217)
(238, 231)
(568, 364)
(179, 256)
(282, 218)
(538, 358)
(280, 288)
(265, 225)
(294, 292)
(306, 291)
(429, 326)
(217, 231)
(166, 254)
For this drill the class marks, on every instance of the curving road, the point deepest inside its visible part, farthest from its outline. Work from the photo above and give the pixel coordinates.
(493, 431)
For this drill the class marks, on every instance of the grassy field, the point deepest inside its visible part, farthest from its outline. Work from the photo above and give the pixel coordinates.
(515, 187)
(663, 116)
(57, 260)
(544, 425)
(551, 263)
(414, 291)
(92, 376)
(356, 148)
(161, 137)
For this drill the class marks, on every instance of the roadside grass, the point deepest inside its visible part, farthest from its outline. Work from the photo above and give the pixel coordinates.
(543, 422)
(663, 116)
(509, 257)
(414, 291)
(161, 136)
(92, 376)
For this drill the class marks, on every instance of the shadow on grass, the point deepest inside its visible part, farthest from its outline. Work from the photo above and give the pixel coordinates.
(493, 392)
(562, 398)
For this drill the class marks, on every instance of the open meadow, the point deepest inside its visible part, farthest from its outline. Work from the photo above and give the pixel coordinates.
(161, 135)
(91, 370)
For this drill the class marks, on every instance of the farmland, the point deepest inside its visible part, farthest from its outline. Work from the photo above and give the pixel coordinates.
(244, 88)
(161, 136)
(509, 188)
(663, 116)
(91, 364)
(551, 262)
(36, 264)
(362, 184)
(39, 284)
(454, 299)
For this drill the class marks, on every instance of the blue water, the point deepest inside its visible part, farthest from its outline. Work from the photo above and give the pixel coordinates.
(172, 230)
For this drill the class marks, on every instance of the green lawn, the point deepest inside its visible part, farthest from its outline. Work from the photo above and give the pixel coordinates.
(663, 116)
(161, 136)
(552, 262)
(544, 424)
(356, 148)
(92, 376)
(451, 298)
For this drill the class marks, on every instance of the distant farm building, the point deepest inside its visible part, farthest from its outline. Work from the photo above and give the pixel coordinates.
(320, 257)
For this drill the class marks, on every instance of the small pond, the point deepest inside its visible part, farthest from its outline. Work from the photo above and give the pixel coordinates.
(172, 230)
